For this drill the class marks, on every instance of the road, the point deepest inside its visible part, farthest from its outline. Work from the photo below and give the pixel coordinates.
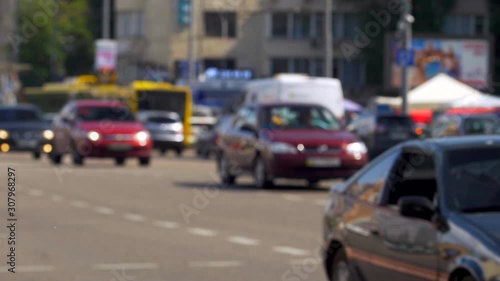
(170, 221)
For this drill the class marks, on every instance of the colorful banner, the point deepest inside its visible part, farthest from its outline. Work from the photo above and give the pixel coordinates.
(106, 52)
(466, 60)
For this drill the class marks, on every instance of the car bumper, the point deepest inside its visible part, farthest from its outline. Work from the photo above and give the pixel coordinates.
(168, 140)
(114, 149)
(297, 167)
(26, 146)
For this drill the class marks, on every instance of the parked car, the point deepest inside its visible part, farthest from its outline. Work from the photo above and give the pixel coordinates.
(22, 128)
(382, 131)
(462, 125)
(207, 141)
(288, 140)
(424, 210)
(166, 128)
(102, 129)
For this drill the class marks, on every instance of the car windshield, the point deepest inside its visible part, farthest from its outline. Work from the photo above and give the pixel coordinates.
(101, 113)
(473, 179)
(395, 121)
(20, 115)
(299, 117)
(479, 125)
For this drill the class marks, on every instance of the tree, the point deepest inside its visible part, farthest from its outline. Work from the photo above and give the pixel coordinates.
(58, 41)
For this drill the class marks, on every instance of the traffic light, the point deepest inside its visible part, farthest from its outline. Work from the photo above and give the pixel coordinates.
(184, 12)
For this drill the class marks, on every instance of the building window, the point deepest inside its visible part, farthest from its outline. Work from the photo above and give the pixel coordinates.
(350, 21)
(279, 65)
(480, 25)
(300, 65)
(318, 30)
(279, 25)
(220, 24)
(351, 73)
(130, 24)
(465, 25)
(301, 26)
(317, 67)
(219, 63)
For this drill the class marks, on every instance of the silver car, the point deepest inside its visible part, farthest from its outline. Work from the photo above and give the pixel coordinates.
(166, 129)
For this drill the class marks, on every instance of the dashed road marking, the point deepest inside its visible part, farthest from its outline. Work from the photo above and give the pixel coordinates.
(125, 266)
(290, 251)
(202, 232)
(56, 198)
(105, 210)
(79, 204)
(134, 217)
(292, 197)
(35, 192)
(28, 268)
(243, 241)
(215, 264)
(166, 224)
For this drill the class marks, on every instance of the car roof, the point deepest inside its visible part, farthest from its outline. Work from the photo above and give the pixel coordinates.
(451, 143)
(158, 113)
(104, 103)
(287, 103)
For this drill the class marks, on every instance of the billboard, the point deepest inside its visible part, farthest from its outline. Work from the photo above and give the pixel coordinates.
(467, 60)
(106, 52)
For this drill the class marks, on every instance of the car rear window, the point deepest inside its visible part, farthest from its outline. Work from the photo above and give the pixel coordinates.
(162, 120)
(478, 125)
(19, 115)
(390, 122)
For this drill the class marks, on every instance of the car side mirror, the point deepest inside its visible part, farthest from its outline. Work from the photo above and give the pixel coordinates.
(416, 207)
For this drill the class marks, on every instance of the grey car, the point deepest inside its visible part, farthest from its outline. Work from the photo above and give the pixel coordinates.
(166, 129)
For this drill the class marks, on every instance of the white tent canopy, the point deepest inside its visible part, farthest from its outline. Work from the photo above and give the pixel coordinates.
(437, 92)
(481, 100)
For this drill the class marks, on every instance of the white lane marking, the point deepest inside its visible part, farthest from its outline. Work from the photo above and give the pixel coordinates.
(305, 261)
(104, 210)
(134, 217)
(243, 241)
(35, 192)
(215, 263)
(202, 232)
(293, 197)
(166, 224)
(79, 204)
(290, 251)
(56, 198)
(321, 202)
(28, 268)
(125, 266)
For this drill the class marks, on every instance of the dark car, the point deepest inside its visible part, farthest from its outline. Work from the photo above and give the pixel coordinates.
(463, 125)
(424, 210)
(166, 128)
(382, 131)
(207, 141)
(281, 140)
(101, 129)
(23, 128)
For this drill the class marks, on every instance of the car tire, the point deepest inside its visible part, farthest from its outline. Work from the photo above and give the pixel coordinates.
(120, 161)
(163, 151)
(56, 159)
(340, 268)
(261, 178)
(37, 155)
(144, 161)
(225, 171)
(179, 152)
(467, 278)
(313, 183)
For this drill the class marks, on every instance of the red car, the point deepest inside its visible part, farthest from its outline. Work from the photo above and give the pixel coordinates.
(282, 140)
(98, 128)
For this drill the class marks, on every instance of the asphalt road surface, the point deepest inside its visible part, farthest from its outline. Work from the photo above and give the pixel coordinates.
(170, 221)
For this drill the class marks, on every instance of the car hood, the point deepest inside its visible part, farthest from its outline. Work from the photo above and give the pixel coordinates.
(24, 126)
(104, 127)
(487, 223)
(309, 136)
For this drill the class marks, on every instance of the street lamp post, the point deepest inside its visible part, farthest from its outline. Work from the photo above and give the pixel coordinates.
(406, 26)
(106, 10)
(328, 39)
(192, 43)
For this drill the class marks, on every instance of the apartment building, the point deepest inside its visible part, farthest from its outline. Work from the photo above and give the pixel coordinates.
(266, 36)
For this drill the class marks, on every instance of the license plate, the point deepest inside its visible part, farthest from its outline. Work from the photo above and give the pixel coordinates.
(27, 144)
(119, 147)
(323, 162)
(399, 136)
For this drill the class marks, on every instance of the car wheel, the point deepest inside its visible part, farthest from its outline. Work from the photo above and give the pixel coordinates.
(77, 159)
(224, 171)
(261, 177)
(313, 183)
(179, 152)
(120, 161)
(144, 161)
(163, 151)
(37, 155)
(340, 268)
(55, 159)
(467, 278)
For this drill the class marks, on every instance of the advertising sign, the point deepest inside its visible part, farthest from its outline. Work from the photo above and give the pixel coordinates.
(105, 55)
(466, 60)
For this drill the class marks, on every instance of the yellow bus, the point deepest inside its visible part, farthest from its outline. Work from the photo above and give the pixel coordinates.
(148, 95)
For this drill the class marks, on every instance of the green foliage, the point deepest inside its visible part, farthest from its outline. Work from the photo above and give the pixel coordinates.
(60, 45)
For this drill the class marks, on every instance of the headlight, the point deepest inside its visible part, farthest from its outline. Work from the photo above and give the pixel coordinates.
(4, 134)
(356, 148)
(93, 136)
(48, 134)
(142, 136)
(283, 148)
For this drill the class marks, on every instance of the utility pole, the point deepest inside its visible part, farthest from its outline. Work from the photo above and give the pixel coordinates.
(406, 25)
(106, 15)
(192, 43)
(328, 39)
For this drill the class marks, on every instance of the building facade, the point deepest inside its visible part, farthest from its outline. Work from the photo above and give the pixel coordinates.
(266, 36)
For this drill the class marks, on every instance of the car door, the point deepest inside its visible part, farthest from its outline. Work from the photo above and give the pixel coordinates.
(231, 140)
(363, 196)
(405, 248)
(248, 140)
